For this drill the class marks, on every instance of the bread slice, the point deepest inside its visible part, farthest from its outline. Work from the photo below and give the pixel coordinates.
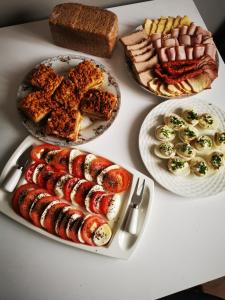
(200, 82)
(186, 86)
(36, 105)
(153, 85)
(64, 124)
(147, 25)
(173, 90)
(169, 25)
(154, 26)
(161, 25)
(176, 21)
(163, 90)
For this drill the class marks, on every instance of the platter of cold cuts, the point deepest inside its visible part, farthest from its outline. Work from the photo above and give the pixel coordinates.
(75, 197)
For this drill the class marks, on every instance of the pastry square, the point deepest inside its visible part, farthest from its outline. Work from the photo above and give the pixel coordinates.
(46, 79)
(65, 96)
(98, 104)
(36, 105)
(64, 124)
(86, 75)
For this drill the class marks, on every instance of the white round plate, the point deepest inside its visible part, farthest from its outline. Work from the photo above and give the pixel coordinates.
(89, 129)
(191, 185)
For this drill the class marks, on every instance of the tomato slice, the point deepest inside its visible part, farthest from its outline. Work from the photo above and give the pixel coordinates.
(74, 228)
(29, 172)
(90, 224)
(39, 152)
(44, 175)
(78, 166)
(104, 203)
(24, 206)
(94, 201)
(117, 180)
(38, 209)
(52, 215)
(68, 186)
(20, 194)
(97, 165)
(51, 182)
(82, 192)
(61, 160)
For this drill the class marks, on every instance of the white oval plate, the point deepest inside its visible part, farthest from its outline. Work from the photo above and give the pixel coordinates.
(89, 129)
(191, 185)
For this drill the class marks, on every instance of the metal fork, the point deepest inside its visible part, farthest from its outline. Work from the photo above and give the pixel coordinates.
(133, 209)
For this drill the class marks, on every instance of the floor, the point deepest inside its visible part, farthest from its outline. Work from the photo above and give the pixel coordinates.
(190, 294)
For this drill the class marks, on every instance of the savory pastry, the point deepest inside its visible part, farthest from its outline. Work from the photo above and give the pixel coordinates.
(219, 139)
(190, 116)
(185, 151)
(174, 121)
(45, 78)
(208, 121)
(86, 75)
(216, 160)
(64, 124)
(164, 133)
(66, 96)
(36, 105)
(98, 104)
(188, 134)
(199, 166)
(178, 166)
(203, 143)
(165, 150)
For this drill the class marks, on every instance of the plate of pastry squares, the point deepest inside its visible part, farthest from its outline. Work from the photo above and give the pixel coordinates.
(171, 57)
(68, 100)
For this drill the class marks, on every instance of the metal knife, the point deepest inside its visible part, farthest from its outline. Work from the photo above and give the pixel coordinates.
(16, 171)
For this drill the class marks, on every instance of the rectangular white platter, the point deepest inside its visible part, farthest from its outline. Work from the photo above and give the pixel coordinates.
(122, 243)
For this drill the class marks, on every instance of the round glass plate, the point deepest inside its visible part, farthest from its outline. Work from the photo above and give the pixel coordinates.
(90, 129)
(191, 185)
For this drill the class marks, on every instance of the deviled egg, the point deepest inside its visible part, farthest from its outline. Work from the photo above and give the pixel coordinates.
(203, 143)
(185, 150)
(199, 166)
(165, 150)
(188, 134)
(208, 121)
(174, 121)
(190, 116)
(164, 133)
(178, 166)
(219, 139)
(216, 160)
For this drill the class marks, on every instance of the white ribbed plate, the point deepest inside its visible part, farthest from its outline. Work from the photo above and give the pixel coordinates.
(189, 186)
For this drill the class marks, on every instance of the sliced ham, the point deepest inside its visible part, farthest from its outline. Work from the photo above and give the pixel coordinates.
(138, 45)
(208, 40)
(199, 51)
(185, 40)
(192, 28)
(189, 52)
(175, 32)
(210, 50)
(155, 36)
(196, 39)
(183, 29)
(140, 51)
(145, 77)
(171, 42)
(146, 65)
(134, 38)
(162, 55)
(157, 43)
(171, 53)
(203, 31)
(143, 57)
(180, 52)
(211, 70)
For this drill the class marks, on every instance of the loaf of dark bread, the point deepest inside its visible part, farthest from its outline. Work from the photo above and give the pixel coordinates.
(84, 28)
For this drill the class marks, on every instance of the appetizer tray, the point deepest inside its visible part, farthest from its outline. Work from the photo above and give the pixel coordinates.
(190, 185)
(89, 128)
(122, 243)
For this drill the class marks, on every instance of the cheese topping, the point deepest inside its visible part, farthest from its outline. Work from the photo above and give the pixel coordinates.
(37, 198)
(37, 170)
(70, 222)
(75, 188)
(87, 166)
(60, 183)
(43, 215)
(114, 207)
(73, 154)
(95, 188)
(65, 209)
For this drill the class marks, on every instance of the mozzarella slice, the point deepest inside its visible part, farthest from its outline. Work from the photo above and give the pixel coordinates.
(87, 166)
(43, 215)
(73, 154)
(70, 222)
(114, 207)
(102, 235)
(37, 170)
(104, 171)
(59, 185)
(50, 155)
(65, 209)
(79, 231)
(38, 197)
(75, 188)
(95, 188)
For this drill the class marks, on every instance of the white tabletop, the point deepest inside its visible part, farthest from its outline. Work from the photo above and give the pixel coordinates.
(183, 243)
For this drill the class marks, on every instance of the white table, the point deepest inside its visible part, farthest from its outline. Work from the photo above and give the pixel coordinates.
(183, 244)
